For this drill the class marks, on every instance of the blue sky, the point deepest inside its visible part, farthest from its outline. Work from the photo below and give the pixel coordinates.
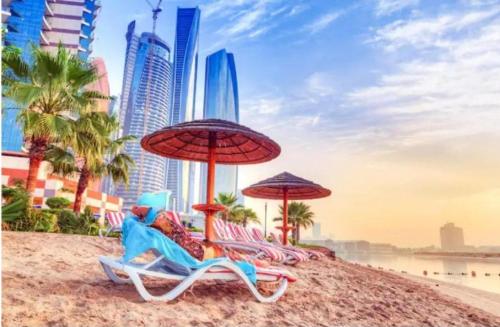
(394, 104)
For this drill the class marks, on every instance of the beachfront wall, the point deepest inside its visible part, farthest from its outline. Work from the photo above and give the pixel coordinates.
(15, 167)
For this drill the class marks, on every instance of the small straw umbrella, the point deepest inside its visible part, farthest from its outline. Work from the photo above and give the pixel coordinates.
(286, 186)
(211, 141)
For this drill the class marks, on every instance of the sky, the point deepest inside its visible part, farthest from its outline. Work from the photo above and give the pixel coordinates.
(392, 104)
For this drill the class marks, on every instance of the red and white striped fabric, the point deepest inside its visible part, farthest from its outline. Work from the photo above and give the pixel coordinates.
(289, 254)
(310, 253)
(115, 219)
(175, 217)
(228, 235)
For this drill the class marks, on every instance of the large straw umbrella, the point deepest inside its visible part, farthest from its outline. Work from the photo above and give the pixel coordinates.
(286, 186)
(211, 141)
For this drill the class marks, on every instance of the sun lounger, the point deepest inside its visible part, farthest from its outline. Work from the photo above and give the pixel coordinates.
(312, 254)
(230, 240)
(115, 221)
(173, 263)
(292, 256)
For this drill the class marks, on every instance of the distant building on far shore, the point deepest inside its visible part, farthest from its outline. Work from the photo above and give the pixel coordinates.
(316, 231)
(452, 238)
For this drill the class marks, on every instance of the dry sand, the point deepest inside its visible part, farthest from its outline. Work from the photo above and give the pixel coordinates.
(55, 280)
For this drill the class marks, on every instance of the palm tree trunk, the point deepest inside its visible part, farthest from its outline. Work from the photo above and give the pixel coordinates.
(298, 234)
(83, 182)
(36, 154)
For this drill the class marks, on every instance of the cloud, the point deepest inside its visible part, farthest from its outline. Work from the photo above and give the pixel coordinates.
(264, 106)
(320, 84)
(297, 9)
(447, 89)
(322, 22)
(429, 32)
(388, 7)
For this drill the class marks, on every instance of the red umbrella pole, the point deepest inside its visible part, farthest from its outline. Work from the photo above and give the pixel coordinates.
(285, 216)
(209, 224)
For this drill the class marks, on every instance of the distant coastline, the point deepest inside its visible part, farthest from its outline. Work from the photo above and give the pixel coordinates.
(474, 255)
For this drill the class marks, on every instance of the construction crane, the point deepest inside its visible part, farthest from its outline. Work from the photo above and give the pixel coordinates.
(156, 10)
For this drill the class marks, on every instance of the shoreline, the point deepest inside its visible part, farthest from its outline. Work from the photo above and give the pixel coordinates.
(484, 300)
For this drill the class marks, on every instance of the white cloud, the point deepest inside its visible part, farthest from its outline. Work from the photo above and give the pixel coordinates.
(297, 9)
(388, 7)
(452, 91)
(429, 32)
(264, 106)
(323, 22)
(320, 84)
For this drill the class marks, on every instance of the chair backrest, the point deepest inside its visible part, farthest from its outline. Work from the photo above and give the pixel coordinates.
(257, 234)
(233, 233)
(248, 234)
(220, 229)
(240, 230)
(115, 219)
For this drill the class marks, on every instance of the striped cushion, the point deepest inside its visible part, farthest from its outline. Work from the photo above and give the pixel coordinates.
(115, 219)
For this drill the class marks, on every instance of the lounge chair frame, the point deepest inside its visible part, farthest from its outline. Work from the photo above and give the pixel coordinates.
(222, 270)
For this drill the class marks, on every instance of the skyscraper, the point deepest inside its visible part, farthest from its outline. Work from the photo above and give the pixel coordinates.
(452, 237)
(45, 23)
(180, 176)
(101, 85)
(222, 102)
(146, 95)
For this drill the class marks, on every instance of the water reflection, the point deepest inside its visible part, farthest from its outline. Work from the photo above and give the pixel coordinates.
(456, 270)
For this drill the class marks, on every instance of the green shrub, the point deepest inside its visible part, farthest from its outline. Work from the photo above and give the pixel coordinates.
(44, 221)
(89, 225)
(68, 221)
(57, 202)
(15, 209)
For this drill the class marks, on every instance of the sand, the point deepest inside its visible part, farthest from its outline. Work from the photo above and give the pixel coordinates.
(487, 301)
(55, 280)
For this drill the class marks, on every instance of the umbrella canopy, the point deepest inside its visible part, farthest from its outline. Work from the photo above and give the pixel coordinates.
(211, 141)
(298, 188)
(234, 144)
(286, 186)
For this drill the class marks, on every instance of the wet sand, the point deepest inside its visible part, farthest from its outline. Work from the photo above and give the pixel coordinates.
(56, 280)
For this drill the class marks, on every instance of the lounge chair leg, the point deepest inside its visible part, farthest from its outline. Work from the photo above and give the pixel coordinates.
(114, 277)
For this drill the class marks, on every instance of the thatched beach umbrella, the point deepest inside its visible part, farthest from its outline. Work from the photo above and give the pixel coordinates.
(286, 186)
(211, 141)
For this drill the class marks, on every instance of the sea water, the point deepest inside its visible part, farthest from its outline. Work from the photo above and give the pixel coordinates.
(449, 269)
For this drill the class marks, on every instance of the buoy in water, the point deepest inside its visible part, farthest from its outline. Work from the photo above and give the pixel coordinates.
(425, 272)
(473, 273)
(487, 274)
(436, 273)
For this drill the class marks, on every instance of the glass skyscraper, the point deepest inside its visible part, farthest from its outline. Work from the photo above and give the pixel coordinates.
(180, 176)
(44, 23)
(145, 102)
(221, 102)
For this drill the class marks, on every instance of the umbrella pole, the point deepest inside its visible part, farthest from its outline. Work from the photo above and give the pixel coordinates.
(209, 224)
(285, 216)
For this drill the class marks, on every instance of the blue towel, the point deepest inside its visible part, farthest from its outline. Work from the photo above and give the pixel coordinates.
(137, 238)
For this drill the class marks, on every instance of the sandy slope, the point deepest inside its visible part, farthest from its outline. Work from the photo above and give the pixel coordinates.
(486, 301)
(55, 280)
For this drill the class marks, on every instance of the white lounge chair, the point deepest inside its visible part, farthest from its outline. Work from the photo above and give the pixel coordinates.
(163, 268)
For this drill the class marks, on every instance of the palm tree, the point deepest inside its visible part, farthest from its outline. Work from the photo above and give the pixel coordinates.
(48, 89)
(299, 215)
(245, 215)
(229, 201)
(92, 153)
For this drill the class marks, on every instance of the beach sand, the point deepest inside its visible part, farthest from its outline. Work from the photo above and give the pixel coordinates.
(56, 280)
